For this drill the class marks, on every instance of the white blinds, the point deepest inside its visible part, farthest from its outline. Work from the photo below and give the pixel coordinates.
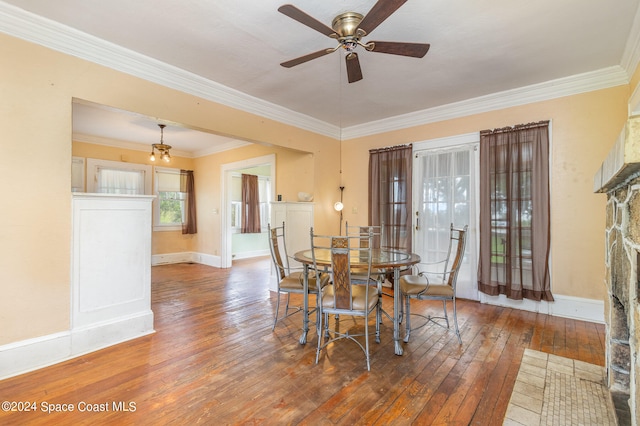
(168, 181)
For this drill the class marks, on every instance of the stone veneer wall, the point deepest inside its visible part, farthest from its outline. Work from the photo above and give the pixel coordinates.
(622, 276)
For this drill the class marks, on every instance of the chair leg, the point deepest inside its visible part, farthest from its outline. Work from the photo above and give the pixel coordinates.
(319, 325)
(318, 314)
(275, 319)
(444, 307)
(366, 340)
(407, 318)
(286, 311)
(326, 325)
(455, 321)
(378, 314)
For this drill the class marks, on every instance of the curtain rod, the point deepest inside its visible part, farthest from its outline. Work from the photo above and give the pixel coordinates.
(515, 128)
(389, 148)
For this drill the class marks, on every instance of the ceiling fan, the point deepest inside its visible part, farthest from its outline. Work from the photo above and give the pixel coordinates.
(348, 29)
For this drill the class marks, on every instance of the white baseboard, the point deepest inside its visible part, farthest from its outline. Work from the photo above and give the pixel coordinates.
(250, 254)
(564, 306)
(163, 259)
(31, 354)
(186, 257)
(102, 335)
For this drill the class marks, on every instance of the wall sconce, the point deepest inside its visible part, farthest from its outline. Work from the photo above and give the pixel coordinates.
(339, 206)
(162, 148)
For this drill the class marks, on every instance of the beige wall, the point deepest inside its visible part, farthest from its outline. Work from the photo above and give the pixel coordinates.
(295, 172)
(584, 127)
(38, 85)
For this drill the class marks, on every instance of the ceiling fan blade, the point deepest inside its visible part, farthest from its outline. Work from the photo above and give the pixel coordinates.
(305, 58)
(294, 13)
(415, 50)
(354, 72)
(378, 13)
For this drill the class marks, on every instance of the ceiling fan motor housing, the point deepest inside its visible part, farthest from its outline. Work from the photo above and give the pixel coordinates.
(346, 27)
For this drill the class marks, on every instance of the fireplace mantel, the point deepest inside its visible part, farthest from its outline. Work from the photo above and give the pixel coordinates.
(623, 161)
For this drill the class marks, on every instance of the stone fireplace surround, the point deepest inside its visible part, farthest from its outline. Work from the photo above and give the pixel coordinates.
(619, 178)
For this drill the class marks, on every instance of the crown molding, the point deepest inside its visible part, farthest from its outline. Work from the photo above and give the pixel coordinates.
(45, 32)
(631, 54)
(30, 27)
(117, 143)
(97, 140)
(580, 83)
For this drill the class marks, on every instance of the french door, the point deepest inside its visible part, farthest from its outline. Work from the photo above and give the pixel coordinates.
(444, 192)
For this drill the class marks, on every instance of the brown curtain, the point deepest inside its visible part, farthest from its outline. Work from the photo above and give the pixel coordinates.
(390, 195)
(250, 204)
(514, 212)
(189, 226)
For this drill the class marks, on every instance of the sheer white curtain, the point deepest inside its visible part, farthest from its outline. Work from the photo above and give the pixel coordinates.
(444, 198)
(110, 181)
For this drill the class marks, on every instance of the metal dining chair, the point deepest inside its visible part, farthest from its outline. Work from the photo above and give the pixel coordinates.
(346, 296)
(290, 280)
(435, 281)
(379, 275)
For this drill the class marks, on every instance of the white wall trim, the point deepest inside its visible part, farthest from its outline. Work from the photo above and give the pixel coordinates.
(168, 258)
(31, 354)
(186, 257)
(251, 254)
(578, 308)
(580, 83)
(31, 27)
(19, 23)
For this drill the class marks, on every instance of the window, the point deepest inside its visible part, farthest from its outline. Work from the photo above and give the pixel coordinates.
(170, 211)
(114, 177)
(77, 174)
(264, 188)
(514, 212)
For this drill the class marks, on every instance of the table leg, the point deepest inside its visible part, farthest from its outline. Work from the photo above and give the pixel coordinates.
(305, 305)
(396, 311)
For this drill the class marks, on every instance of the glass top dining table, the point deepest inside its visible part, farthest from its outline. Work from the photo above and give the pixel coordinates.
(385, 260)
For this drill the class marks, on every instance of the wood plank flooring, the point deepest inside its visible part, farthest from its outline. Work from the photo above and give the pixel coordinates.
(215, 360)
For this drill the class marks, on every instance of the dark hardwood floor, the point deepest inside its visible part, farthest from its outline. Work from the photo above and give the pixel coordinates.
(215, 360)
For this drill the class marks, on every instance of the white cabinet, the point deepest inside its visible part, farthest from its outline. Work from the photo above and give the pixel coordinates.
(111, 270)
(298, 220)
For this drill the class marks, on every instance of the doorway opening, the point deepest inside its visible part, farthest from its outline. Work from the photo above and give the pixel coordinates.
(266, 167)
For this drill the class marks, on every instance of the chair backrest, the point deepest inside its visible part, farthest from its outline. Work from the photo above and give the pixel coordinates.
(363, 232)
(278, 249)
(344, 251)
(457, 245)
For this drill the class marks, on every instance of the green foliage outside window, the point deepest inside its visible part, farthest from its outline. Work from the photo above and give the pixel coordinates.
(171, 207)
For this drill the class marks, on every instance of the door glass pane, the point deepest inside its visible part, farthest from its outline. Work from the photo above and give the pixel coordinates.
(445, 184)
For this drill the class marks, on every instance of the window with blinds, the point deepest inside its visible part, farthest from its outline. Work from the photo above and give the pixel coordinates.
(171, 201)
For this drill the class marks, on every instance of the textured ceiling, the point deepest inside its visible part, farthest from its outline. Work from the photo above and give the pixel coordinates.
(478, 48)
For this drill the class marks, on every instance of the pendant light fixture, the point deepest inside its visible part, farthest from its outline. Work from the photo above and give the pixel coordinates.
(162, 148)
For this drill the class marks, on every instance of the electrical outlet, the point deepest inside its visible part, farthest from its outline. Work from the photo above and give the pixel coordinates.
(354, 210)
